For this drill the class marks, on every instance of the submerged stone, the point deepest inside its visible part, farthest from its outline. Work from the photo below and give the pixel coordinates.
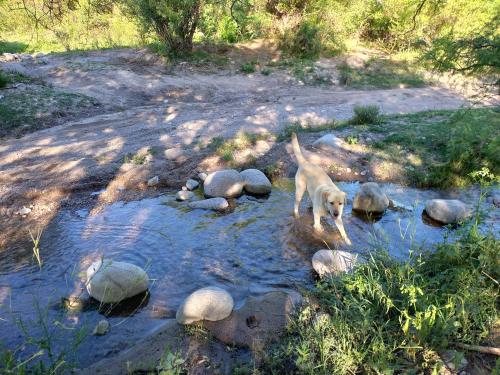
(447, 211)
(101, 328)
(111, 282)
(215, 204)
(210, 303)
(332, 262)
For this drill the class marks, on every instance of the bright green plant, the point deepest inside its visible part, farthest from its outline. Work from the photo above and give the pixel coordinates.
(365, 114)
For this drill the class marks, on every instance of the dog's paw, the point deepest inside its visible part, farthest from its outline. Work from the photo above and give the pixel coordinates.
(318, 229)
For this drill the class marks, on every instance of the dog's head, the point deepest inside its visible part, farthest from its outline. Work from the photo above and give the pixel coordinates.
(334, 201)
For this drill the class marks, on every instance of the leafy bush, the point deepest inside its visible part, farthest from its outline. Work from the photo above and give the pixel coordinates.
(302, 41)
(228, 30)
(248, 67)
(365, 114)
(393, 317)
(173, 21)
(3, 80)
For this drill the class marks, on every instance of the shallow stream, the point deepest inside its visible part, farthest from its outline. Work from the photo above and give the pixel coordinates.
(257, 247)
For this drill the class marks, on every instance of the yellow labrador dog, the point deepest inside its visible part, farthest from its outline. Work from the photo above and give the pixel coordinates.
(325, 196)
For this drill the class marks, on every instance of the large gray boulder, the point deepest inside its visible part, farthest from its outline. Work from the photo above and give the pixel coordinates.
(111, 282)
(255, 182)
(329, 142)
(227, 184)
(210, 303)
(259, 321)
(333, 262)
(370, 199)
(447, 211)
(215, 204)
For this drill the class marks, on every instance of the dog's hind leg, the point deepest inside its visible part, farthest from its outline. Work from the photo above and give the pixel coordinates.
(300, 189)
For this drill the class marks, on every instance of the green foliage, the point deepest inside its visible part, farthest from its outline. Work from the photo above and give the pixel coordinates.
(381, 73)
(171, 364)
(472, 55)
(389, 316)
(173, 21)
(365, 114)
(248, 67)
(3, 80)
(302, 40)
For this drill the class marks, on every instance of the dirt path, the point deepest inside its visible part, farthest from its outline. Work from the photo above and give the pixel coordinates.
(157, 109)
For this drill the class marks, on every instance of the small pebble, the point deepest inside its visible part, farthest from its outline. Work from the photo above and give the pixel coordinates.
(153, 181)
(101, 328)
(192, 184)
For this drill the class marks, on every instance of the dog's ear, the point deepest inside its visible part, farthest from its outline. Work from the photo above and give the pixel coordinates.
(325, 195)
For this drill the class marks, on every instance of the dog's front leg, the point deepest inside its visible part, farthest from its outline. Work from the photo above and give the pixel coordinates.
(317, 221)
(340, 226)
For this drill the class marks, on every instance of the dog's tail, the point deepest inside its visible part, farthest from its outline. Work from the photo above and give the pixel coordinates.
(296, 150)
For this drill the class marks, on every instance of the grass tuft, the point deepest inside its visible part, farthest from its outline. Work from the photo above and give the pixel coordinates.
(365, 114)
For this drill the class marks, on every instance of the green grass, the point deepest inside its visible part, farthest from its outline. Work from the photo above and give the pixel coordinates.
(381, 73)
(36, 106)
(248, 67)
(225, 148)
(390, 317)
(365, 114)
(447, 145)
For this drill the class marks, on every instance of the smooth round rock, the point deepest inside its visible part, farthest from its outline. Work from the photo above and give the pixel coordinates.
(447, 211)
(370, 199)
(215, 204)
(210, 303)
(332, 262)
(111, 282)
(329, 142)
(184, 195)
(226, 184)
(255, 182)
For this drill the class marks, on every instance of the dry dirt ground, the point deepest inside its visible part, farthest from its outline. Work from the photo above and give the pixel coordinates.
(169, 115)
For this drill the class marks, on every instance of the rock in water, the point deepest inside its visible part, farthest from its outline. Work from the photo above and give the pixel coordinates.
(258, 321)
(111, 282)
(227, 184)
(153, 181)
(447, 211)
(255, 182)
(202, 176)
(211, 303)
(101, 328)
(329, 142)
(184, 195)
(216, 204)
(331, 262)
(370, 199)
(192, 184)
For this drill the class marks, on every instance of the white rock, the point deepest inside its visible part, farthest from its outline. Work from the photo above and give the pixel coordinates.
(226, 183)
(370, 198)
(211, 303)
(184, 195)
(110, 282)
(24, 211)
(216, 204)
(153, 181)
(174, 153)
(8, 57)
(255, 182)
(328, 262)
(202, 176)
(329, 142)
(192, 184)
(101, 328)
(447, 211)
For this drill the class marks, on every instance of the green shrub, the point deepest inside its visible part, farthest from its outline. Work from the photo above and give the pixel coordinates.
(389, 316)
(302, 41)
(248, 67)
(3, 80)
(365, 114)
(228, 30)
